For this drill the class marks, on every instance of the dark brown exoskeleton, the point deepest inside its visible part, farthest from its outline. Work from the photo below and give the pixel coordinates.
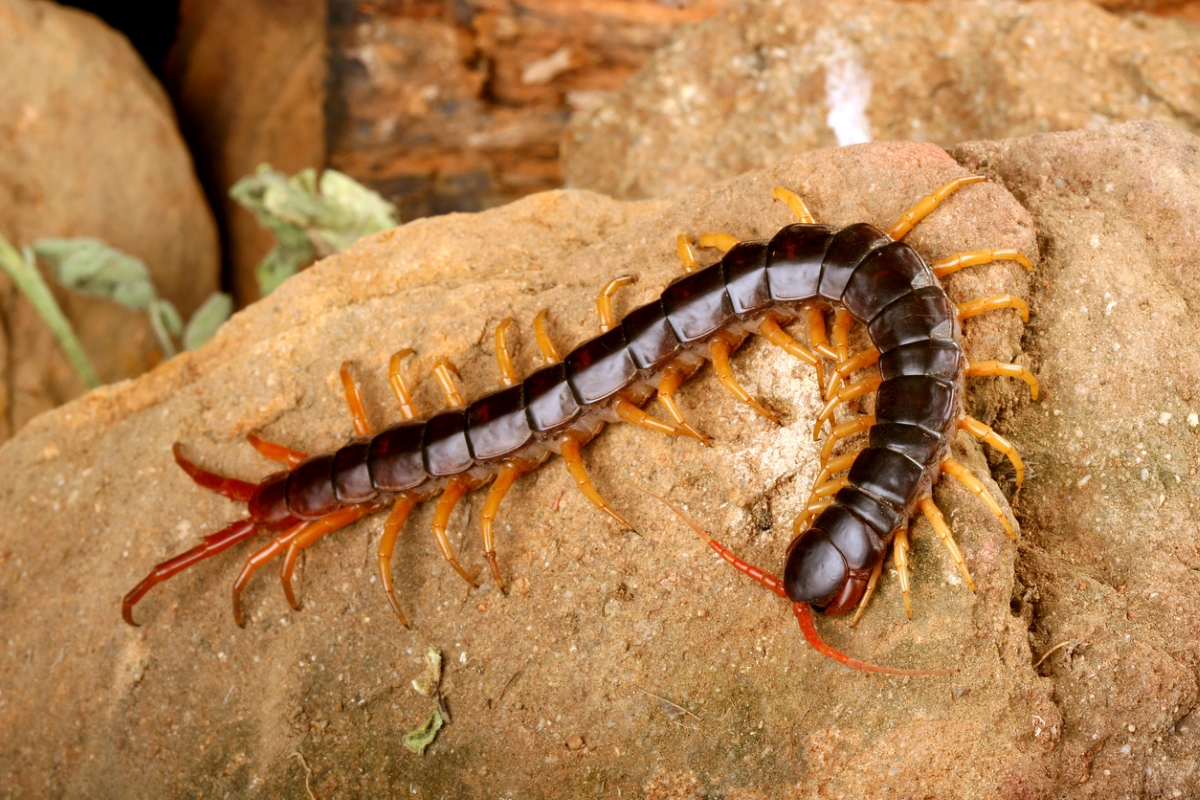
(866, 274)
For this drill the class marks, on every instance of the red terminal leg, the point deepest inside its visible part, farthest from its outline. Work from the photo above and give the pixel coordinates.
(241, 491)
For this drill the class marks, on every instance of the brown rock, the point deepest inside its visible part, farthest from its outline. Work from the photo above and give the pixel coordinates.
(190, 704)
(248, 77)
(91, 150)
(763, 81)
(1110, 558)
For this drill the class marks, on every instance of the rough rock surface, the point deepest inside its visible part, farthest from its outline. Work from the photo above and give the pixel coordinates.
(638, 663)
(762, 81)
(90, 149)
(248, 77)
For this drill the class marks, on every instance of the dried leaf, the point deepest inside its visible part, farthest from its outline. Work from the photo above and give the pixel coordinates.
(417, 740)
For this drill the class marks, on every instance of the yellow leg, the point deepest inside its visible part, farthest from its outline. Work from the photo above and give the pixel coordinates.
(866, 598)
(325, 525)
(684, 248)
(934, 515)
(362, 425)
(927, 204)
(408, 410)
(981, 431)
(838, 464)
(839, 432)
(722, 241)
(815, 318)
(630, 413)
(543, 340)
(504, 359)
(670, 382)
(974, 308)
(859, 387)
(810, 511)
(275, 452)
(975, 258)
(257, 559)
(608, 320)
(977, 368)
(441, 518)
(848, 367)
(391, 529)
(795, 204)
(971, 482)
(777, 336)
(900, 558)
(569, 448)
(843, 321)
(719, 352)
(491, 507)
(445, 372)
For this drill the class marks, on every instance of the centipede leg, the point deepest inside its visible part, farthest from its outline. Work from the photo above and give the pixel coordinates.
(974, 308)
(686, 255)
(843, 321)
(927, 204)
(453, 492)
(900, 558)
(776, 335)
(325, 525)
(545, 345)
(387, 544)
(628, 412)
(257, 559)
(981, 431)
(817, 338)
(504, 359)
(241, 491)
(849, 428)
(975, 258)
(491, 507)
(275, 452)
(362, 425)
(667, 386)
(445, 372)
(838, 464)
(848, 367)
(872, 582)
(719, 352)
(569, 449)
(964, 475)
(859, 387)
(810, 511)
(608, 319)
(985, 368)
(209, 546)
(722, 241)
(408, 409)
(803, 215)
(934, 515)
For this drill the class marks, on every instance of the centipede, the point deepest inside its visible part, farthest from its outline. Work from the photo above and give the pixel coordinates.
(862, 502)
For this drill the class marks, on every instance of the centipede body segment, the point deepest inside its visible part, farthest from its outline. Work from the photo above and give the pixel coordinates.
(915, 366)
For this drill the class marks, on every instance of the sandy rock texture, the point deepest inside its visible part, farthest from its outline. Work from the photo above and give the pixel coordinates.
(619, 662)
(90, 149)
(1110, 560)
(764, 80)
(248, 78)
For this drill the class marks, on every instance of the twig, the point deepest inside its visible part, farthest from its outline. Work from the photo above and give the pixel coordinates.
(668, 702)
(307, 772)
(1073, 643)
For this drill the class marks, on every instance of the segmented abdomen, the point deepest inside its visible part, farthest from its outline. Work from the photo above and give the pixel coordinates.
(884, 284)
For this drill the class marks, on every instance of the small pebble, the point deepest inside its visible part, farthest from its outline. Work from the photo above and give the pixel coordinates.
(1164, 418)
(575, 742)
(1193, 420)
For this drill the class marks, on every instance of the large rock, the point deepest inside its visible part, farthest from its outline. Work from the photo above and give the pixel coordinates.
(762, 81)
(91, 150)
(606, 636)
(248, 77)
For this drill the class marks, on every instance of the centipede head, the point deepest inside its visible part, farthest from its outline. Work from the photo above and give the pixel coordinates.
(815, 572)
(268, 504)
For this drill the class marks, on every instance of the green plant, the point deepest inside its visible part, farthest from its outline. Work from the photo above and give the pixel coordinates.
(310, 217)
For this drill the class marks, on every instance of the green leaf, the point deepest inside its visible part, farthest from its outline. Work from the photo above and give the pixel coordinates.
(352, 211)
(204, 323)
(29, 282)
(417, 740)
(91, 266)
